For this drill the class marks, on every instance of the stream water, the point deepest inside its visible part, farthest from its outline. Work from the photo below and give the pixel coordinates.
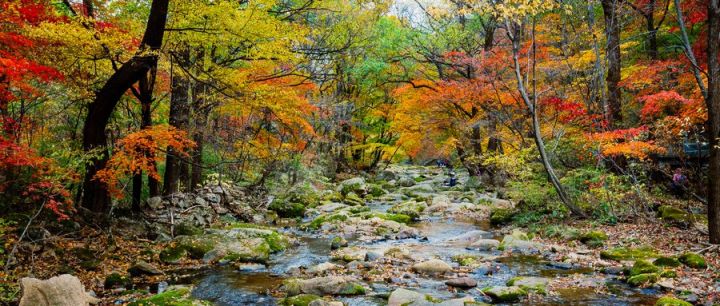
(250, 286)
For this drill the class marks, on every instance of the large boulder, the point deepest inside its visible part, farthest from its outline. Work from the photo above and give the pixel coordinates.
(328, 285)
(242, 243)
(63, 290)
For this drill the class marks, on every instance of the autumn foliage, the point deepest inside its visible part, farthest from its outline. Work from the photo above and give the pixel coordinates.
(140, 152)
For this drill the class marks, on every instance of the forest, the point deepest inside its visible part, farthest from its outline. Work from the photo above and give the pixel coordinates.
(359, 152)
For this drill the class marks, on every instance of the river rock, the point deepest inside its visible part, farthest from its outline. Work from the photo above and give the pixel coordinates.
(321, 302)
(349, 254)
(63, 290)
(518, 242)
(328, 285)
(143, 268)
(323, 267)
(530, 283)
(405, 181)
(432, 266)
(485, 244)
(462, 282)
(404, 297)
(373, 255)
(331, 207)
(470, 237)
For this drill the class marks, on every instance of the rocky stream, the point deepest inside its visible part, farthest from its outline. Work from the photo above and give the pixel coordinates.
(414, 241)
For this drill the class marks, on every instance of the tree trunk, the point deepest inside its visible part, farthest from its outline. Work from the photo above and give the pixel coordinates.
(652, 47)
(95, 196)
(201, 112)
(612, 53)
(147, 84)
(713, 106)
(514, 34)
(179, 118)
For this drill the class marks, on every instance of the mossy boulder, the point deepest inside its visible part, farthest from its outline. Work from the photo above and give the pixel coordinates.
(376, 190)
(519, 242)
(593, 238)
(172, 254)
(187, 229)
(173, 296)
(693, 260)
(644, 279)
(338, 242)
(674, 215)
(671, 301)
(117, 280)
(667, 261)
(287, 209)
(356, 185)
(352, 198)
(299, 300)
(668, 273)
(466, 259)
(500, 216)
(643, 267)
(623, 253)
(316, 223)
(332, 196)
(409, 208)
(537, 284)
(241, 243)
(503, 294)
(399, 218)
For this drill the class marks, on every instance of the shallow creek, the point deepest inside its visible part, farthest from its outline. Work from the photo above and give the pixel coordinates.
(231, 286)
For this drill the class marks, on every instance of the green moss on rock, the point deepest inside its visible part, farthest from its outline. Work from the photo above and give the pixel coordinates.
(299, 300)
(174, 297)
(667, 261)
(693, 260)
(286, 209)
(503, 294)
(643, 267)
(500, 216)
(172, 254)
(116, 280)
(643, 279)
(671, 301)
(593, 238)
(622, 253)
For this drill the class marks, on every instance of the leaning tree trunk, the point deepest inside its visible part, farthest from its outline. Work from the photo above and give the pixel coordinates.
(612, 53)
(713, 106)
(95, 196)
(514, 35)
